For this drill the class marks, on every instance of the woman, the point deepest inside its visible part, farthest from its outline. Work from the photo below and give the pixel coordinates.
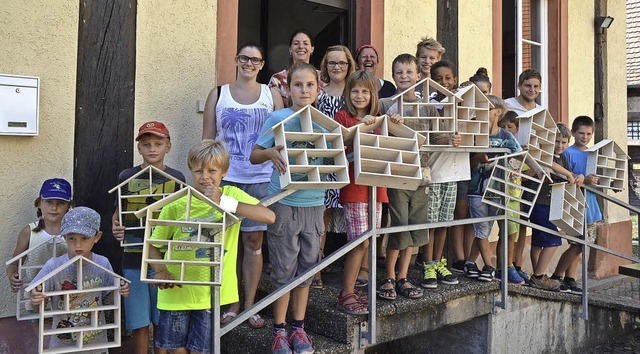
(367, 58)
(235, 115)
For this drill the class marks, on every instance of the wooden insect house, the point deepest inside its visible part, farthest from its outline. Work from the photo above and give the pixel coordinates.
(537, 133)
(567, 208)
(388, 159)
(143, 188)
(473, 117)
(314, 148)
(193, 245)
(608, 161)
(80, 308)
(515, 183)
(29, 264)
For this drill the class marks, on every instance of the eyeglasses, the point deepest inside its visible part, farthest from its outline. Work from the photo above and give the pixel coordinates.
(340, 64)
(243, 59)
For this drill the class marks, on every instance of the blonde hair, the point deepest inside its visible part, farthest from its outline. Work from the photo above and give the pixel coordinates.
(430, 43)
(324, 69)
(366, 80)
(206, 152)
(564, 130)
(498, 103)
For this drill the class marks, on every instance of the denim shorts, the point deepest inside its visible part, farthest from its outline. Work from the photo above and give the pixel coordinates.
(478, 209)
(141, 304)
(185, 329)
(256, 190)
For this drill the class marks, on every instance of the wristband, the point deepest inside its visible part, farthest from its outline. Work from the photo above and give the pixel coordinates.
(228, 204)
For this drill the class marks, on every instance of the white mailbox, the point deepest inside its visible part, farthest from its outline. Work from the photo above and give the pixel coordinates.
(19, 102)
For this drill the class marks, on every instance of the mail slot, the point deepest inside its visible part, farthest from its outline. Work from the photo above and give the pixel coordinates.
(19, 102)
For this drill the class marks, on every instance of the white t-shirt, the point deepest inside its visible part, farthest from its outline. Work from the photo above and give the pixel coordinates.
(514, 105)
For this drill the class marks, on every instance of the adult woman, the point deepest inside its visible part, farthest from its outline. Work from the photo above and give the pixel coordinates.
(235, 115)
(367, 58)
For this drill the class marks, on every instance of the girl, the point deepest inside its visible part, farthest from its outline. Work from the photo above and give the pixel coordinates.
(235, 116)
(336, 65)
(481, 79)
(361, 106)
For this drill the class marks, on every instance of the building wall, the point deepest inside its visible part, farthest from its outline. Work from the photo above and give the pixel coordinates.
(36, 41)
(474, 19)
(580, 58)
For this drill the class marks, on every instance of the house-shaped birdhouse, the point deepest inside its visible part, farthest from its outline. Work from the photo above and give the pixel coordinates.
(435, 117)
(314, 148)
(567, 208)
(537, 133)
(608, 161)
(29, 264)
(138, 191)
(78, 309)
(473, 117)
(389, 159)
(192, 244)
(515, 183)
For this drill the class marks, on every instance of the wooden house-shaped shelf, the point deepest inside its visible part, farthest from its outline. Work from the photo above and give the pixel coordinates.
(608, 161)
(314, 148)
(423, 117)
(537, 132)
(473, 117)
(389, 159)
(65, 306)
(507, 189)
(567, 208)
(205, 235)
(28, 269)
(135, 193)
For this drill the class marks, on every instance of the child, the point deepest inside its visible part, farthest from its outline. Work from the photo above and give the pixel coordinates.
(446, 170)
(544, 245)
(81, 230)
(361, 106)
(185, 316)
(480, 172)
(582, 130)
(428, 52)
(294, 240)
(154, 142)
(406, 207)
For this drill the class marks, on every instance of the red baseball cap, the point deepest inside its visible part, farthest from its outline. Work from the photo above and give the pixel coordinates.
(155, 128)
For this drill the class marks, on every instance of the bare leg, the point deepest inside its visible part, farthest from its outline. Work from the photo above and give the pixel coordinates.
(438, 244)
(427, 250)
(351, 266)
(251, 265)
(280, 307)
(544, 259)
(535, 258)
(299, 305)
(141, 340)
(519, 250)
(566, 259)
(469, 238)
(457, 232)
(485, 250)
(571, 271)
(363, 271)
(157, 350)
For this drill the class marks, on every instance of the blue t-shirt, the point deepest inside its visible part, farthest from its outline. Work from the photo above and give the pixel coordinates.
(303, 197)
(481, 173)
(578, 164)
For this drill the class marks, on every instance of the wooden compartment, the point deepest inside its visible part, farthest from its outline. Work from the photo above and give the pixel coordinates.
(473, 117)
(537, 133)
(607, 160)
(567, 208)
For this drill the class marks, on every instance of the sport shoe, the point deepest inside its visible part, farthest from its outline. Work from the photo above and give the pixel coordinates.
(458, 267)
(563, 287)
(280, 344)
(443, 274)
(471, 270)
(301, 342)
(429, 279)
(513, 276)
(545, 283)
(573, 286)
(523, 275)
(487, 274)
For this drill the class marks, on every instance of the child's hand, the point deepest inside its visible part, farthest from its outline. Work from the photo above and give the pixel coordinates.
(396, 118)
(368, 119)
(591, 180)
(570, 179)
(118, 231)
(456, 139)
(37, 297)
(16, 282)
(278, 161)
(579, 179)
(124, 288)
(213, 193)
(164, 275)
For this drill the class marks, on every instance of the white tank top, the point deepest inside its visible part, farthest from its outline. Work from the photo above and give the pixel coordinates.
(40, 256)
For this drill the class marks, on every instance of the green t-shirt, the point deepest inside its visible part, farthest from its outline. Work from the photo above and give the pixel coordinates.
(198, 297)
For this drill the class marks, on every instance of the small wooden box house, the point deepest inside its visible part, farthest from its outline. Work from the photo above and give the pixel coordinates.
(537, 134)
(473, 117)
(608, 161)
(567, 208)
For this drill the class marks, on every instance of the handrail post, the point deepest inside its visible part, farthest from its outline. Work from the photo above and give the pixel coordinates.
(369, 333)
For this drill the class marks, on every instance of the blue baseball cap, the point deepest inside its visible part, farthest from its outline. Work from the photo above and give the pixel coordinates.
(81, 220)
(56, 188)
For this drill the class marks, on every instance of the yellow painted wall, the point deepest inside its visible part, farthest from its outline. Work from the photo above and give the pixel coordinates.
(405, 22)
(36, 41)
(175, 66)
(474, 19)
(580, 55)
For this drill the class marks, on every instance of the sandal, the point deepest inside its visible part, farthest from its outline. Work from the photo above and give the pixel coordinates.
(362, 282)
(387, 294)
(256, 322)
(410, 291)
(228, 317)
(317, 284)
(362, 297)
(352, 308)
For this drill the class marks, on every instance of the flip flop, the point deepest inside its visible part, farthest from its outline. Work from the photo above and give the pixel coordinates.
(228, 317)
(256, 322)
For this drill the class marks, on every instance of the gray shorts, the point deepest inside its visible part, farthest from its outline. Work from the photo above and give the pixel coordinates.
(294, 241)
(478, 209)
(256, 190)
(408, 208)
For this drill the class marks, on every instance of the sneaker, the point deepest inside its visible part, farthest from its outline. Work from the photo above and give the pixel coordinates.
(471, 270)
(419, 264)
(301, 342)
(573, 286)
(563, 287)
(458, 267)
(513, 276)
(429, 279)
(443, 274)
(523, 275)
(280, 344)
(545, 283)
(487, 274)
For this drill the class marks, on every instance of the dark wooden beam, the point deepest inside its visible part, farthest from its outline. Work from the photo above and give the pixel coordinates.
(448, 30)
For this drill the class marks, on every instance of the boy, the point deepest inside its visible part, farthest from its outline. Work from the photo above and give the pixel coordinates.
(185, 315)
(81, 230)
(141, 309)
(582, 131)
(544, 245)
(428, 52)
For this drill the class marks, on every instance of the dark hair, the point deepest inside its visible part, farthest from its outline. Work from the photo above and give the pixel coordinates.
(442, 64)
(324, 70)
(481, 75)
(529, 74)
(581, 121)
(297, 67)
(41, 225)
(251, 45)
(564, 131)
(303, 31)
(367, 80)
(405, 58)
(509, 117)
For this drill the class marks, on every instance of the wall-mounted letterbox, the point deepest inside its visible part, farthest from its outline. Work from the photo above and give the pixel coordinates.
(19, 105)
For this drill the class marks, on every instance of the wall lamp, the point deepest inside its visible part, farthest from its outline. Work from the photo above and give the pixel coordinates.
(603, 22)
